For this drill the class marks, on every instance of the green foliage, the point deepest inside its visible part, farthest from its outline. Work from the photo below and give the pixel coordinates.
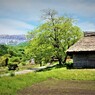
(39, 50)
(4, 60)
(12, 54)
(53, 38)
(4, 55)
(15, 59)
(15, 51)
(22, 45)
(69, 65)
(23, 63)
(3, 49)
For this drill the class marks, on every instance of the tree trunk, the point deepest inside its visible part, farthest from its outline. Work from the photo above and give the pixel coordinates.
(41, 64)
(60, 61)
(64, 61)
(6, 61)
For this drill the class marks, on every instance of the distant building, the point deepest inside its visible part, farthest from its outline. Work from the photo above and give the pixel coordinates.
(83, 51)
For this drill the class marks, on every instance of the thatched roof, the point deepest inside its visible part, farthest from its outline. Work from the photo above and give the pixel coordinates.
(87, 43)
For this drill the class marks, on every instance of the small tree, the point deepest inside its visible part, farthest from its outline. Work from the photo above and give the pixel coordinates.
(4, 60)
(3, 50)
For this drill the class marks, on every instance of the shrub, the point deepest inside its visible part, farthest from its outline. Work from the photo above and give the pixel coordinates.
(4, 60)
(12, 66)
(15, 59)
(69, 65)
(23, 63)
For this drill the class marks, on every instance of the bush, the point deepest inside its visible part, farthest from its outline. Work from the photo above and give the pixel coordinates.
(4, 60)
(23, 63)
(69, 65)
(15, 59)
(12, 66)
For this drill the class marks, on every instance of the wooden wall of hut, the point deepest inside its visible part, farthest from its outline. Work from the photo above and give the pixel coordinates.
(84, 60)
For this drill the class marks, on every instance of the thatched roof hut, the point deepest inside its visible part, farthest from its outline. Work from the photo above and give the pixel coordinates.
(87, 43)
(83, 51)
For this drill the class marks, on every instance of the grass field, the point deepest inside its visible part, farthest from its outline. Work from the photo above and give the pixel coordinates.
(10, 85)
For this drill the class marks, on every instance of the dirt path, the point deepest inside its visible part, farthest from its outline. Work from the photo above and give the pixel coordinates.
(60, 87)
(33, 70)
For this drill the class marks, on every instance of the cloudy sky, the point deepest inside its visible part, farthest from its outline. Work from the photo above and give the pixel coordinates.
(21, 16)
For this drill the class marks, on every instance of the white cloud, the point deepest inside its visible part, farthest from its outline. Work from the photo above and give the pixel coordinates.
(10, 26)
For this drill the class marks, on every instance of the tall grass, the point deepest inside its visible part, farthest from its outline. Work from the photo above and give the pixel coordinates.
(10, 85)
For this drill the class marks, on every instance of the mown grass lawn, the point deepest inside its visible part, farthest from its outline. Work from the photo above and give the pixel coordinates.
(10, 85)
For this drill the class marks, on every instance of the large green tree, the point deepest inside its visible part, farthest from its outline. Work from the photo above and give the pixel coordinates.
(40, 48)
(56, 33)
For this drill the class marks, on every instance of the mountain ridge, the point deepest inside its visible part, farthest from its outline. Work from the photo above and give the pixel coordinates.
(12, 39)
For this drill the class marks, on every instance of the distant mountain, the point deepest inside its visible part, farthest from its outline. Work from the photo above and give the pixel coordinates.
(12, 39)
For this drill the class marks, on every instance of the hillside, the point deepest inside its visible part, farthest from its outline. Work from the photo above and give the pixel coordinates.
(12, 39)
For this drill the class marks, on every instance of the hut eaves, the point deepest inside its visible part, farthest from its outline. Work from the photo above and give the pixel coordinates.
(87, 43)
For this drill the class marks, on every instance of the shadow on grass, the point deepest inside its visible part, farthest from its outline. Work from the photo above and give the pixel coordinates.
(67, 65)
(52, 67)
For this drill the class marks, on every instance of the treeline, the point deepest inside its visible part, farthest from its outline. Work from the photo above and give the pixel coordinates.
(12, 55)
